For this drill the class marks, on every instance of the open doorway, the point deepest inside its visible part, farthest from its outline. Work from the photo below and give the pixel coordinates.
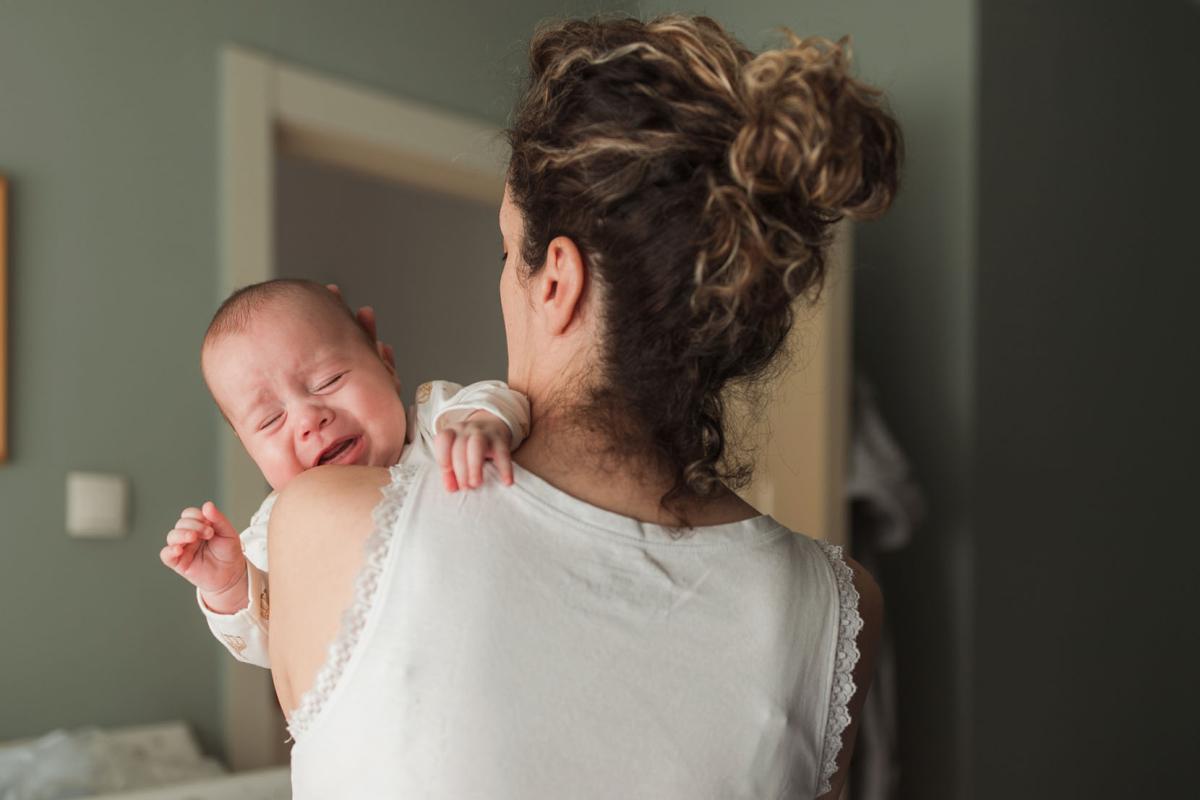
(428, 261)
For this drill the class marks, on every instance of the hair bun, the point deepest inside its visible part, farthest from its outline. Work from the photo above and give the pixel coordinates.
(811, 128)
(701, 183)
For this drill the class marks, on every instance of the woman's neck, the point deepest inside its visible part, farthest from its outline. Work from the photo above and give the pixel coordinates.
(585, 466)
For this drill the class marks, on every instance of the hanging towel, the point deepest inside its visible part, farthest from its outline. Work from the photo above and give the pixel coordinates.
(886, 505)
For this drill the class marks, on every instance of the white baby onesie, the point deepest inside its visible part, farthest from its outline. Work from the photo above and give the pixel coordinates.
(244, 633)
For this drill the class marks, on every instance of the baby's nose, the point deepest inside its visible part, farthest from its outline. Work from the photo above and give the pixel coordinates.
(314, 419)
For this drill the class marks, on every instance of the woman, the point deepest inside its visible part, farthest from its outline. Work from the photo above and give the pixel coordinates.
(619, 623)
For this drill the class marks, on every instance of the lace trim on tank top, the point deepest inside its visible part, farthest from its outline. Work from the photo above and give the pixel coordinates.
(378, 545)
(846, 658)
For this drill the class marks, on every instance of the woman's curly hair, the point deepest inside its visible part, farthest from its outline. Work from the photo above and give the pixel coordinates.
(701, 184)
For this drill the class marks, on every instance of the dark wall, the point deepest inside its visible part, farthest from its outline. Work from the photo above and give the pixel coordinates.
(1087, 367)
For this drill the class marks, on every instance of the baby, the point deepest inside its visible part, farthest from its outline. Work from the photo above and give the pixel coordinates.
(302, 384)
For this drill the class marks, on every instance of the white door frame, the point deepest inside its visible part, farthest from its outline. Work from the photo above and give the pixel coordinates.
(268, 107)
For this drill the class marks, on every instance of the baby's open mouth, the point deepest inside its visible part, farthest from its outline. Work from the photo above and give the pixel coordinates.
(339, 448)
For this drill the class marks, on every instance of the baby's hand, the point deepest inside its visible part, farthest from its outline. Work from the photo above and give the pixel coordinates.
(204, 548)
(461, 448)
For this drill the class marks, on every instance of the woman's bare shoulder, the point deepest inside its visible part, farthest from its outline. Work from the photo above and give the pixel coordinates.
(324, 494)
(317, 532)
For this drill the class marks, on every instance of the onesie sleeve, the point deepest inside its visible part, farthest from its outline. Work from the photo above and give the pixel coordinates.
(450, 402)
(244, 632)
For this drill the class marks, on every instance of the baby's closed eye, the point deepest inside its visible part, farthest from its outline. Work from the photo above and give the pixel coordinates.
(330, 383)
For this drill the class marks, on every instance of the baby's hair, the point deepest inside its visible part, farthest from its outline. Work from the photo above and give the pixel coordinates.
(701, 183)
(239, 309)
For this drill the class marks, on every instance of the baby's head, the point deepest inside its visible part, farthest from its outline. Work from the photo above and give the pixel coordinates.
(300, 381)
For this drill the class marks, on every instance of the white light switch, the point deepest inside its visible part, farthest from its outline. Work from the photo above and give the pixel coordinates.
(97, 505)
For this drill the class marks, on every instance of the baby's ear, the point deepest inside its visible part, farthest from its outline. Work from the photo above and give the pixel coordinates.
(391, 368)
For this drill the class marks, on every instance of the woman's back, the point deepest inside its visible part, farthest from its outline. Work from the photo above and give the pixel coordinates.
(517, 642)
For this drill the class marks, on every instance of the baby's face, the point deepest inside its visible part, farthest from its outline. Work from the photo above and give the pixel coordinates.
(305, 391)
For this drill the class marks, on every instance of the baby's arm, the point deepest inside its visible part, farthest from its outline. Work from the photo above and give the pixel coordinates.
(229, 574)
(466, 426)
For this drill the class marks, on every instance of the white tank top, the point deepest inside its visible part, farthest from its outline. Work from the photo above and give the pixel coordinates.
(516, 642)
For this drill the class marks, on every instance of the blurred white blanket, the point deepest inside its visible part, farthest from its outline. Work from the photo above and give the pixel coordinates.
(138, 763)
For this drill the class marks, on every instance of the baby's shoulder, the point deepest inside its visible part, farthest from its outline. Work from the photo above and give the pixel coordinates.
(263, 514)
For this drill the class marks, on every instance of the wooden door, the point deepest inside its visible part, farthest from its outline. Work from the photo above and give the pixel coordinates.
(802, 438)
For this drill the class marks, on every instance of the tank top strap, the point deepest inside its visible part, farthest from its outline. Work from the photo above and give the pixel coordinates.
(845, 659)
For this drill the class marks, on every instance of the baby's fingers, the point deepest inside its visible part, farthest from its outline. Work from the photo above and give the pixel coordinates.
(216, 520)
(502, 458)
(192, 513)
(202, 527)
(177, 536)
(458, 456)
(442, 445)
(187, 555)
(189, 535)
(169, 555)
(476, 444)
(178, 557)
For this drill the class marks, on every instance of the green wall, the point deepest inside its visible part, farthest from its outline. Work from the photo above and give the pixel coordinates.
(913, 335)
(108, 133)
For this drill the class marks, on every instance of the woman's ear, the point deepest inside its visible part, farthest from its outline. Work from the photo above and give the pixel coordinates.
(561, 286)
